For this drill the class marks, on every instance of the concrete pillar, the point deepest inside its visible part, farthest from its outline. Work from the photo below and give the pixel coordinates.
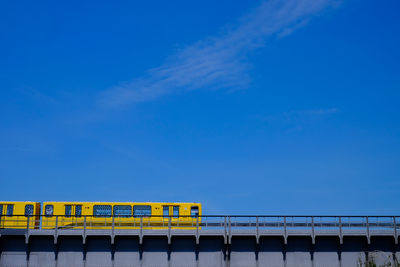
(353, 250)
(42, 251)
(211, 251)
(326, 251)
(155, 251)
(298, 252)
(127, 251)
(98, 251)
(271, 251)
(183, 251)
(70, 251)
(243, 252)
(13, 251)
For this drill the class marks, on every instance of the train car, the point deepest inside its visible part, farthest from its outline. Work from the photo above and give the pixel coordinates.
(104, 215)
(17, 214)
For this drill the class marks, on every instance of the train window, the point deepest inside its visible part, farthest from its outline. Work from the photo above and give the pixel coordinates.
(10, 210)
(48, 210)
(68, 210)
(1, 209)
(78, 210)
(28, 210)
(175, 212)
(194, 211)
(142, 210)
(122, 211)
(166, 211)
(102, 210)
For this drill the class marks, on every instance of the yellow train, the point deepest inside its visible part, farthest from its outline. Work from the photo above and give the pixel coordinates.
(100, 215)
(17, 214)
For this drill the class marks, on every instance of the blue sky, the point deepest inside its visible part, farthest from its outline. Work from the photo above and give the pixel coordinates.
(263, 107)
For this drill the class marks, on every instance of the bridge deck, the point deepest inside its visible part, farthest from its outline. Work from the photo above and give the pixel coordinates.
(251, 241)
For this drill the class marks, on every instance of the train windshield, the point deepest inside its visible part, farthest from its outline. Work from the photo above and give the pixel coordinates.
(194, 212)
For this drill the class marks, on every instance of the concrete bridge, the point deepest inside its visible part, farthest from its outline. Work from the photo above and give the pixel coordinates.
(276, 241)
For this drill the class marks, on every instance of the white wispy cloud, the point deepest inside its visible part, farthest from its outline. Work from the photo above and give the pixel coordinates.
(220, 61)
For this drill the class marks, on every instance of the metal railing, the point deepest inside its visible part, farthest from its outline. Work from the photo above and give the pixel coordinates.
(229, 224)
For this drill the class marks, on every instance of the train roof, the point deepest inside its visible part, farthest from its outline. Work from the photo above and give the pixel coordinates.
(8, 201)
(122, 202)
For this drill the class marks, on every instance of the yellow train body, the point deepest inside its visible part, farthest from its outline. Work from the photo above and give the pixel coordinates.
(120, 215)
(17, 214)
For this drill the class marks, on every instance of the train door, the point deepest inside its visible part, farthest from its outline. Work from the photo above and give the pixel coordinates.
(171, 212)
(166, 213)
(175, 215)
(73, 211)
(77, 211)
(7, 212)
(73, 215)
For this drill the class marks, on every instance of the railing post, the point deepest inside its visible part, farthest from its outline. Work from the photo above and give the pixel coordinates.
(56, 231)
(284, 230)
(197, 230)
(225, 230)
(312, 230)
(395, 230)
(230, 230)
(84, 230)
(112, 230)
(27, 231)
(141, 230)
(169, 230)
(340, 230)
(257, 231)
(368, 234)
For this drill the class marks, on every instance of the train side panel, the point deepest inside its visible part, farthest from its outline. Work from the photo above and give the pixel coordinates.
(17, 214)
(132, 215)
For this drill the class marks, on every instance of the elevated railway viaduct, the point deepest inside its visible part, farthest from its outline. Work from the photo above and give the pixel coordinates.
(276, 241)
